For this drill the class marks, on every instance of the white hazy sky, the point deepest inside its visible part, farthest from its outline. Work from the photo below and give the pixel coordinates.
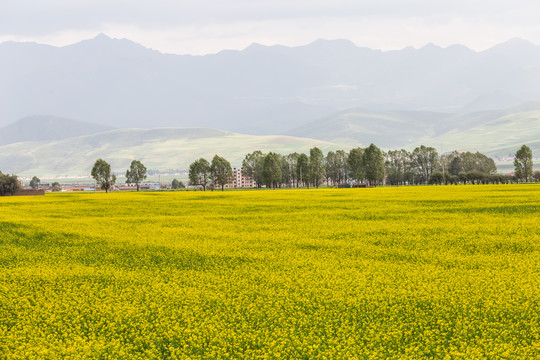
(208, 26)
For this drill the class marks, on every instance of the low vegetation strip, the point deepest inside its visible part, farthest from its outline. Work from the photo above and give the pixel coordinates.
(409, 272)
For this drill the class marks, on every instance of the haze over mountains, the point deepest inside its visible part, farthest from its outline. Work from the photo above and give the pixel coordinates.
(260, 90)
(330, 94)
(495, 133)
(47, 128)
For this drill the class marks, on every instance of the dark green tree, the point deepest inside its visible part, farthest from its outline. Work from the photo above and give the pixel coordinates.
(436, 178)
(373, 160)
(396, 166)
(56, 186)
(316, 166)
(199, 173)
(101, 172)
(177, 184)
(331, 167)
(272, 173)
(136, 173)
(356, 164)
(462, 177)
(252, 166)
(35, 182)
(425, 159)
(476, 177)
(477, 161)
(9, 184)
(455, 165)
(302, 169)
(221, 171)
(286, 177)
(342, 167)
(523, 164)
(292, 162)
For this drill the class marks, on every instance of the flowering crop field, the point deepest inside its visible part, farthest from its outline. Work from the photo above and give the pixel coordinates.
(399, 273)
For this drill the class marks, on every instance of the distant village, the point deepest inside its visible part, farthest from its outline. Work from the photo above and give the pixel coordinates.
(238, 181)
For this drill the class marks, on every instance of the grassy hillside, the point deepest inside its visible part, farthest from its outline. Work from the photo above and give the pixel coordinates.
(173, 148)
(384, 273)
(496, 133)
(387, 129)
(499, 134)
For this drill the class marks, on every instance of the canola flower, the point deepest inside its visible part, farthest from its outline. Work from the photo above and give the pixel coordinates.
(384, 273)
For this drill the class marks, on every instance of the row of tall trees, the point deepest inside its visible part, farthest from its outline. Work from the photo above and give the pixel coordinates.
(218, 172)
(367, 165)
(294, 170)
(101, 172)
(424, 164)
(276, 170)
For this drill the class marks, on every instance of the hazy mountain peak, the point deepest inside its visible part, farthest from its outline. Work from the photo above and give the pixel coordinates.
(102, 37)
(102, 43)
(430, 47)
(517, 42)
(514, 44)
(460, 48)
(255, 47)
(126, 84)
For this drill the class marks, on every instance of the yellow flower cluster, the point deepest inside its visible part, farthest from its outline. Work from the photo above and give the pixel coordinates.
(384, 273)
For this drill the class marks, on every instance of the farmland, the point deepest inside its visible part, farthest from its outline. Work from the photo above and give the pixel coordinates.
(409, 272)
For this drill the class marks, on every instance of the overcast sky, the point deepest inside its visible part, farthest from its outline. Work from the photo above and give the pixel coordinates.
(208, 26)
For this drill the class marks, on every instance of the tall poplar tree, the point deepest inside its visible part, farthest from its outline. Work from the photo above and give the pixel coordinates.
(272, 173)
(221, 171)
(199, 172)
(316, 166)
(136, 173)
(523, 164)
(373, 160)
(101, 172)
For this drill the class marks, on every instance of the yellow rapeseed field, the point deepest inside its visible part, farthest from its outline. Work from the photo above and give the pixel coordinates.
(383, 273)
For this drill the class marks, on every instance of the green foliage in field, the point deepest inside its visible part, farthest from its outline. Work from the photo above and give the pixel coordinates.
(419, 272)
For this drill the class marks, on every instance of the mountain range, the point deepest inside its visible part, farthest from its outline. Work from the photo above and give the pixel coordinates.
(118, 100)
(258, 90)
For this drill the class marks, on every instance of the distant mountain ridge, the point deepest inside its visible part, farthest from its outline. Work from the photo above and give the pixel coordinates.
(47, 128)
(360, 127)
(261, 89)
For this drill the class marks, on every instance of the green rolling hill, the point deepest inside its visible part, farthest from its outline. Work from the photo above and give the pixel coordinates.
(359, 127)
(500, 135)
(495, 133)
(164, 148)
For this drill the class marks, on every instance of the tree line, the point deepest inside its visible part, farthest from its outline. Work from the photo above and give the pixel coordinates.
(137, 172)
(217, 173)
(368, 166)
